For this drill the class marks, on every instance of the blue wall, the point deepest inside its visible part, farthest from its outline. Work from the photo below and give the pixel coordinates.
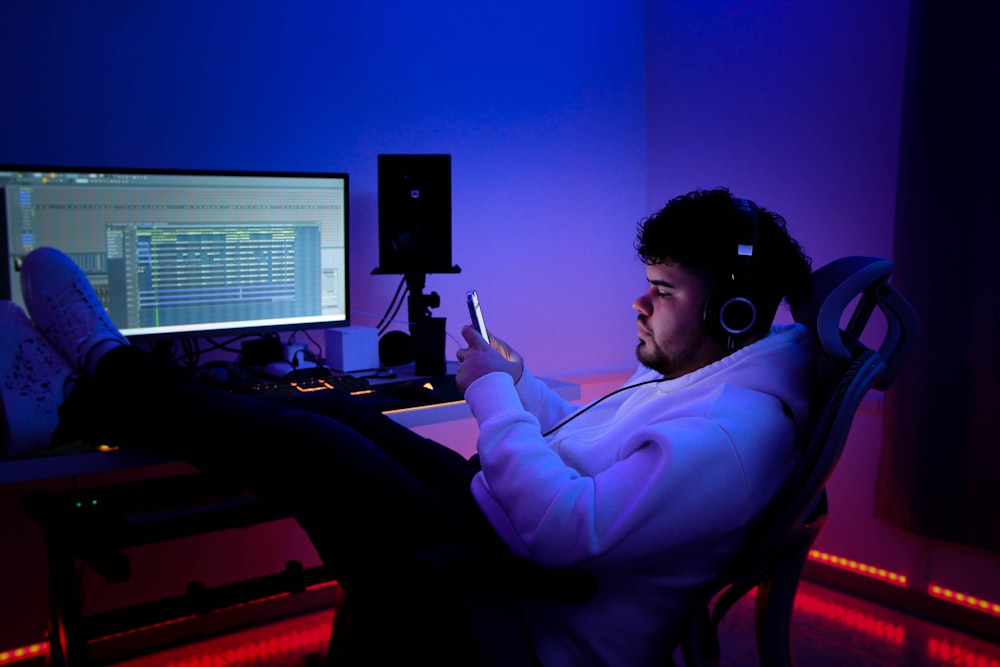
(565, 126)
(542, 109)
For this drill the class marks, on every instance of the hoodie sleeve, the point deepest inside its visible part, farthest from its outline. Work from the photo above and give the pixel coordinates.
(537, 398)
(677, 482)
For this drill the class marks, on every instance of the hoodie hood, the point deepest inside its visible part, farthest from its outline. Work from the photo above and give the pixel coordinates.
(786, 354)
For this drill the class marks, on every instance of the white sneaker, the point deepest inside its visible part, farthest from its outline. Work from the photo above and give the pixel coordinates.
(63, 305)
(33, 379)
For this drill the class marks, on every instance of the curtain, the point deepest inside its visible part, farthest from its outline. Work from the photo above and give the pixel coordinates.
(939, 474)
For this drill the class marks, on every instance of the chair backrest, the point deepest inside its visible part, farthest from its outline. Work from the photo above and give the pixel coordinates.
(847, 369)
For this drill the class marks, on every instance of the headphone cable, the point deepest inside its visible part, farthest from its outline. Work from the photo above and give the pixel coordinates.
(593, 403)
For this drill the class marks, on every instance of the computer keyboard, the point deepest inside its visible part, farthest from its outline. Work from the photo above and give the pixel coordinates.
(306, 384)
(382, 393)
(241, 380)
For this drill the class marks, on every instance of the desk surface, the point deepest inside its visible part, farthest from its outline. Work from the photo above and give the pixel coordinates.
(73, 461)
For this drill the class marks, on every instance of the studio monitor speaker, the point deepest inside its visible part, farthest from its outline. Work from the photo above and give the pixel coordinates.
(414, 214)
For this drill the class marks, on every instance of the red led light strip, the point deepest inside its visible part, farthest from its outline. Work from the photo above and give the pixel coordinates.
(10, 656)
(313, 638)
(940, 592)
(959, 656)
(874, 627)
(936, 647)
(24, 653)
(964, 600)
(861, 568)
(189, 617)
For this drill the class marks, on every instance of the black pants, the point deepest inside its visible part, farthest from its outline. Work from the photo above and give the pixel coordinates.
(372, 495)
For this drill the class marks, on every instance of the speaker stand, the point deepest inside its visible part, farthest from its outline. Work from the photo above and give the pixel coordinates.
(426, 333)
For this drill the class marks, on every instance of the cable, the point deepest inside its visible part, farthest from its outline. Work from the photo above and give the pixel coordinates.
(593, 403)
(306, 353)
(392, 303)
(383, 327)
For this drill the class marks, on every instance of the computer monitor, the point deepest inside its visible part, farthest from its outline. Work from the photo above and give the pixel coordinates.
(186, 253)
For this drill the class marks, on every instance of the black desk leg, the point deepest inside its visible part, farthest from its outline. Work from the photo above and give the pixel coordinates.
(67, 640)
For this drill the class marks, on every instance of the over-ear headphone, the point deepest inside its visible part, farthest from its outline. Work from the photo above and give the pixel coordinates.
(731, 310)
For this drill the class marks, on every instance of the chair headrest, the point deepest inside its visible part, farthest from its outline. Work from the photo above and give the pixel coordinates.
(834, 287)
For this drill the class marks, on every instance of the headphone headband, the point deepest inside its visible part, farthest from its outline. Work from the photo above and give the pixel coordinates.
(747, 232)
(730, 310)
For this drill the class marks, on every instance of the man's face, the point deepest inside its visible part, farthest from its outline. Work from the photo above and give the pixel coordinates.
(672, 337)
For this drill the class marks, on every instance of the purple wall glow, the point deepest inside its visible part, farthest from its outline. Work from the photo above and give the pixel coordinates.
(542, 110)
(565, 127)
(797, 105)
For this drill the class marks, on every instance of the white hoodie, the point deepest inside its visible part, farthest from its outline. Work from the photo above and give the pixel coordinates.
(649, 489)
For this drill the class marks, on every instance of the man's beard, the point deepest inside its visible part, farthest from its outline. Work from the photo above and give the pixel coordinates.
(669, 366)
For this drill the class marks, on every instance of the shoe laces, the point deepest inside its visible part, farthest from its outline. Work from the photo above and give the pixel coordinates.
(80, 324)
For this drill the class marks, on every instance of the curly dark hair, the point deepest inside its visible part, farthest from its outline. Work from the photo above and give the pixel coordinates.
(700, 231)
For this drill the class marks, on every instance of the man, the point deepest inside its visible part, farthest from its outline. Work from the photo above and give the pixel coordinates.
(648, 489)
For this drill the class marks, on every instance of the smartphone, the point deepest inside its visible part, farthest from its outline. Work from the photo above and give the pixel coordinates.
(476, 313)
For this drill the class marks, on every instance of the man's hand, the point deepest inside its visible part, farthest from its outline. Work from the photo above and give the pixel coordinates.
(480, 358)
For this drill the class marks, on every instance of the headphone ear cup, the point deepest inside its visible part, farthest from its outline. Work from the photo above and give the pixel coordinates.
(737, 316)
(730, 314)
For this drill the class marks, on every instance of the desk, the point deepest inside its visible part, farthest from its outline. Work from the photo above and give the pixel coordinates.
(74, 460)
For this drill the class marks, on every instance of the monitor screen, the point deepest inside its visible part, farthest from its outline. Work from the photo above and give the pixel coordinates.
(175, 253)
